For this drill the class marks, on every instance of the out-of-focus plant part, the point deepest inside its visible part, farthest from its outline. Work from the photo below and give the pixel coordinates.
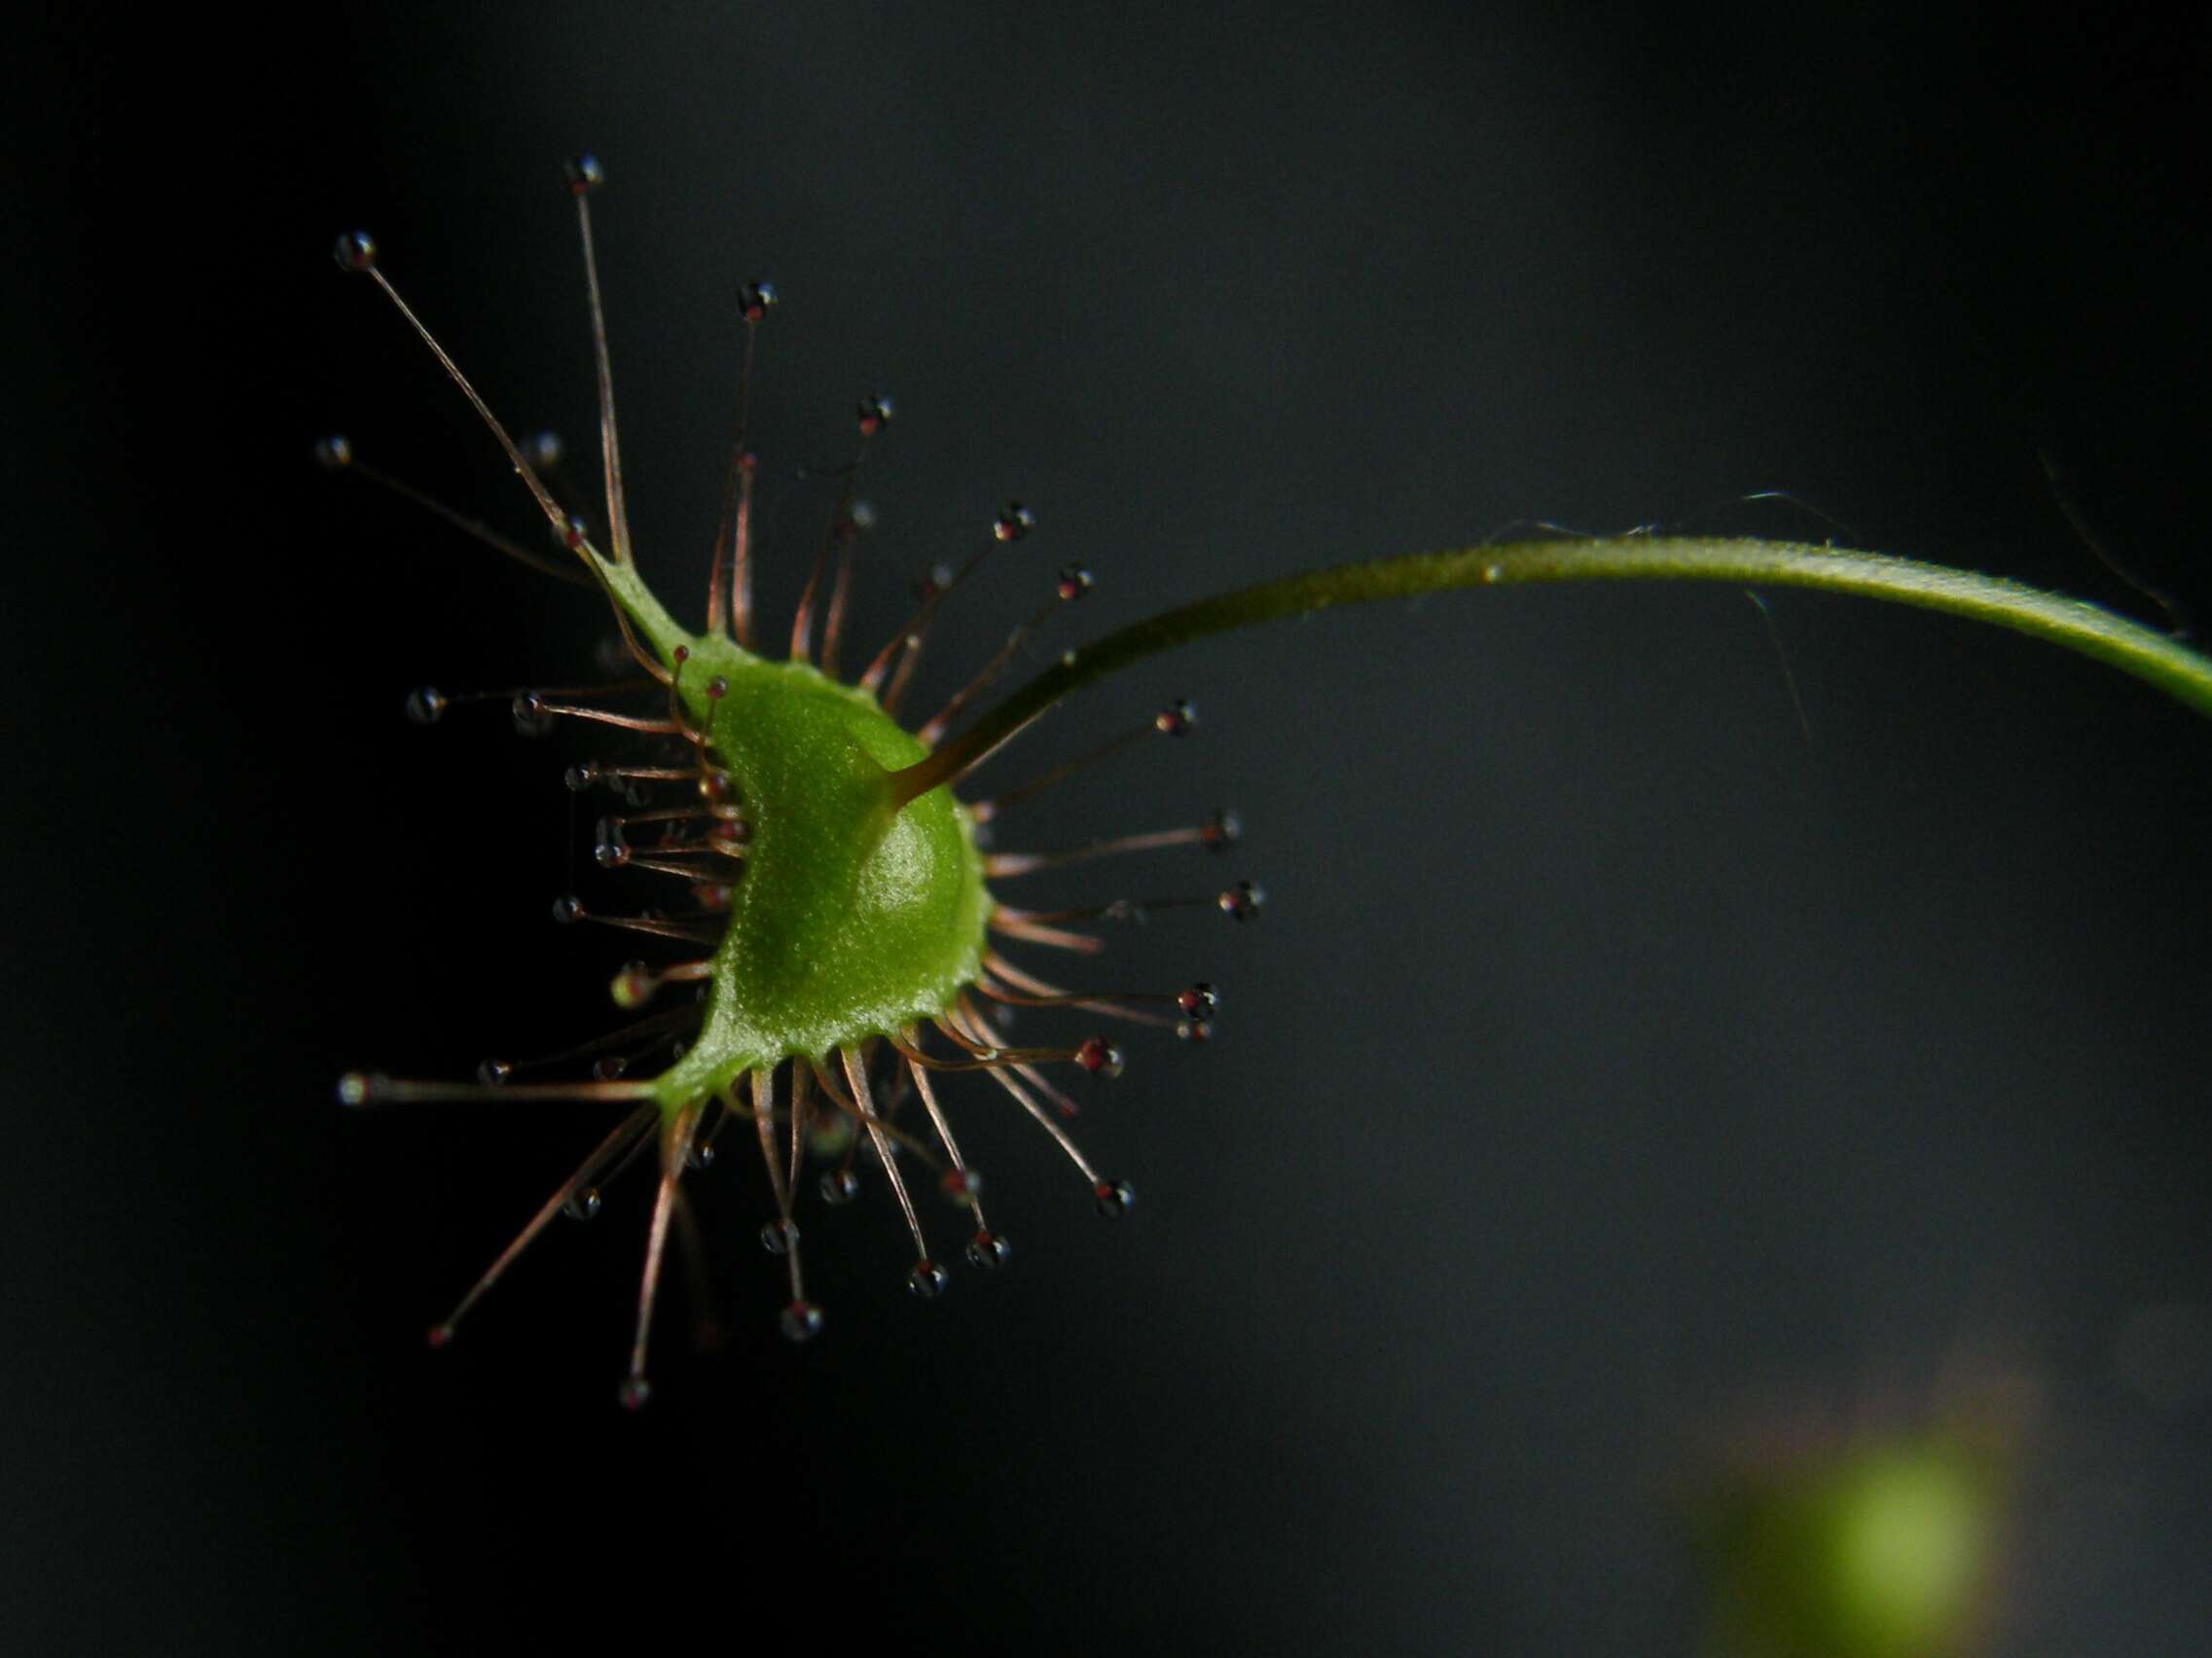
(1886, 1543)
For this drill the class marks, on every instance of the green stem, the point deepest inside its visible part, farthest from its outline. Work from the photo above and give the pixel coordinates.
(2183, 674)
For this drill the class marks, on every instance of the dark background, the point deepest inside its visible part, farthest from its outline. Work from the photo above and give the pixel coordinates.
(1617, 1065)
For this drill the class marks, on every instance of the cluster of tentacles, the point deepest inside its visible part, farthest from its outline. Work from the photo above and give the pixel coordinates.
(672, 814)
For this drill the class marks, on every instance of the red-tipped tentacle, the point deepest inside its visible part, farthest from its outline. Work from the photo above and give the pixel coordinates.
(635, 1125)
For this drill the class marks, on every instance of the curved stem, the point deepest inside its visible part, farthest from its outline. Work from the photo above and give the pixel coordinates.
(2181, 673)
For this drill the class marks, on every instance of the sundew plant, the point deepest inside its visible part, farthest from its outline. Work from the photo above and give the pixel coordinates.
(832, 933)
